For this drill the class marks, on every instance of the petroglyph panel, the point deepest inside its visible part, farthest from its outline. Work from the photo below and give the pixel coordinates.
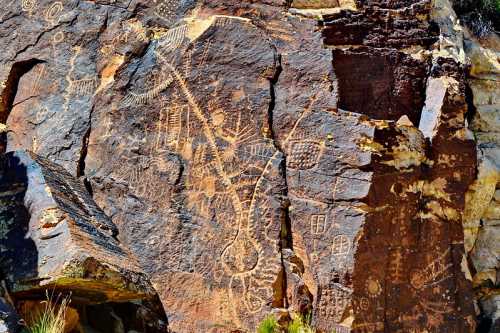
(220, 147)
(51, 108)
(203, 165)
(326, 212)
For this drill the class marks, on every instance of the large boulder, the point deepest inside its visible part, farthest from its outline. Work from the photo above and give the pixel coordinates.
(54, 236)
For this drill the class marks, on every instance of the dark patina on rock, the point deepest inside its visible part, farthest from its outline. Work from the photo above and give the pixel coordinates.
(57, 237)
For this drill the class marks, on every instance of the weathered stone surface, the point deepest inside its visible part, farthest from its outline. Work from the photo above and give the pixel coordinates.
(256, 157)
(398, 25)
(9, 319)
(71, 243)
(431, 114)
(205, 174)
(481, 214)
(381, 84)
(491, 307)
(315, 3)
(427, 196)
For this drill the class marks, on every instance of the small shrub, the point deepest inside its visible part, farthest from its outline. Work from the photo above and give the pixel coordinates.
(269, 325)
(300, 325)
(50, 319)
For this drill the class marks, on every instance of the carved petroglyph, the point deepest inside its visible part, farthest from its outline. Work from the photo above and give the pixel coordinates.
(169, 127)
(130, 30)
(57, 38)
(341, 246)
(432, 274)
(76, 51)
(34, 144)
(360, 305)
(334, 301)
(373, 287)
(396, 269)
(303, 155)
(222, 21)
(229, 168)
(85, 86)
(52, 13)
(136, 99)
(29, 6)
(207, 131)
(207, 44)
(108, 125)
(242, 258)
(172, 40)
(318, 224)
(40, 76)
(369, 327)
(166, 9)
(41, 115)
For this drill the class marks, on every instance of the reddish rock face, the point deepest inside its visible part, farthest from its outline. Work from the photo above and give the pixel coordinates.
(382, 85)
(256, 158)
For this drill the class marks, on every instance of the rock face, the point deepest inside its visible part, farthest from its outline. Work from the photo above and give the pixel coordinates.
(71, 242)
(300, 157)
(483, 205)
(9, 320)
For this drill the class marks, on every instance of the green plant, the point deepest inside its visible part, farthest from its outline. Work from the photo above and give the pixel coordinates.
(300, 324)
(50, 318)
(269, 325)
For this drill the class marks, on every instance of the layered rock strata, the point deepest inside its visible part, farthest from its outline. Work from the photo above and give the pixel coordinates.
(56, 237)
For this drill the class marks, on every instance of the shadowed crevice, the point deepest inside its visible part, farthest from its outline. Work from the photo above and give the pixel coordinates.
(9, 93)
(11, 85)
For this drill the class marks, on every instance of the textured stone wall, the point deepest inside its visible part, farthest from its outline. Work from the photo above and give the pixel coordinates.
(271, 156)
(482, 211)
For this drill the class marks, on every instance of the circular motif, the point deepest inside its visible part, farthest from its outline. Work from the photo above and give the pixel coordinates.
(52, 13)
(28, 5)
(58, 37)
(373, 287)
(417, 280)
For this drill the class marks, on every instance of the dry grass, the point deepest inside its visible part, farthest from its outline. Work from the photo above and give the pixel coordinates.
(49, 319)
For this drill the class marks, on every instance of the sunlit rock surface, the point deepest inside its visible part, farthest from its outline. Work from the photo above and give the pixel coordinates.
(255, 157)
